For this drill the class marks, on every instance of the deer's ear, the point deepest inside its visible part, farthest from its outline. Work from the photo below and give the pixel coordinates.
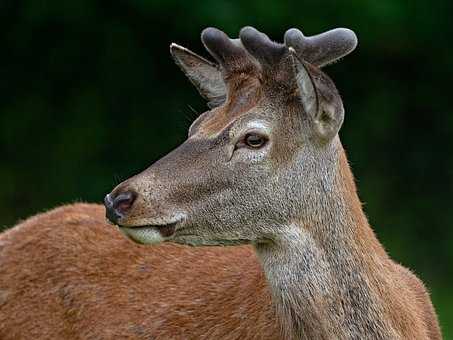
(205, 75)
(320, 99)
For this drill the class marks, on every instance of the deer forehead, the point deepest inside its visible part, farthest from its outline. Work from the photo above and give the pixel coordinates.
(244, 96)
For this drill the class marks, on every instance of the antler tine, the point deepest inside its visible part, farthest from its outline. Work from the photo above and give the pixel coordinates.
(260, 46)
(220, 46)
(324, 48)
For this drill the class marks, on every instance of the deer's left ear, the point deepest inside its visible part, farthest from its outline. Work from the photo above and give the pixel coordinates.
(205, 75)
(320, 98)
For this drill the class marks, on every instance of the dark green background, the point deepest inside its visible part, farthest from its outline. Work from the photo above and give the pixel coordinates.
(89, 96)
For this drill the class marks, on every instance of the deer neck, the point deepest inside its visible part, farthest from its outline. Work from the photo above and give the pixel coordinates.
(324, 270)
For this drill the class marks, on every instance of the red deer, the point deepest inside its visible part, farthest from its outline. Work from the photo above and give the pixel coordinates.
(263, 171)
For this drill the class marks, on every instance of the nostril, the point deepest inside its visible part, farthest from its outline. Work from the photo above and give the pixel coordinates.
(117, 206)
(108, 202)
(124, 201)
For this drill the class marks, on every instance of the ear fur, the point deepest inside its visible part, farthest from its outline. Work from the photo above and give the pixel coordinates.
(305, 84)
(320, 99)
(205, 75)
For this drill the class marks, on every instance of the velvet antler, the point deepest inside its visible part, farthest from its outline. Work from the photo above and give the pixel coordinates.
(318, 50)
(324, 48)
(227, 52)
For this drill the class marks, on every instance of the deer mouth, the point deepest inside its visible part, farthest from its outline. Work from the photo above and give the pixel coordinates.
(149, 234)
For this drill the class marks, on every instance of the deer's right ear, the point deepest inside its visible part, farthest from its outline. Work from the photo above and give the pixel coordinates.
(205, 75)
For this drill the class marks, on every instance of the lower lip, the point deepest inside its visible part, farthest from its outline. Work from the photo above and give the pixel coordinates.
(149, 234)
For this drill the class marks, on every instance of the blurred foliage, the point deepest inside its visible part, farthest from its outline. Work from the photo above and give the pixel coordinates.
(90, 96)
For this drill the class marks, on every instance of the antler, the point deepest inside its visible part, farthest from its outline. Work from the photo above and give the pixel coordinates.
(226, 51)
(230, 52)
(261, 47)
(319, 50)
(324, 48)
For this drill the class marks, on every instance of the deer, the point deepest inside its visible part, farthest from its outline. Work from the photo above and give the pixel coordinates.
(251, 229)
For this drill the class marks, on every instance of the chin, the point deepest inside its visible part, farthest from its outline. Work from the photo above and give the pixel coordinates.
(199, 242)
(152, 234)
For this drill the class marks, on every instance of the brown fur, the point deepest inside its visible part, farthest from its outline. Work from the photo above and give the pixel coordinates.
(397, 287)
(67, 274)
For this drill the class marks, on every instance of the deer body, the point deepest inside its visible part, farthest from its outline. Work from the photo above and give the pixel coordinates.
(78, 278)
(67, 274)
(265, 167)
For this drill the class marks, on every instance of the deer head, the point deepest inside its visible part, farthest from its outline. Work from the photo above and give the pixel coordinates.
(265, 154)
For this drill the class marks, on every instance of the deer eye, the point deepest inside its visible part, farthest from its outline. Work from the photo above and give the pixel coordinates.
(255, 141)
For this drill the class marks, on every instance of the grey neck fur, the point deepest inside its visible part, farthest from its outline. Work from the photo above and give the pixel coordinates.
(323, 270)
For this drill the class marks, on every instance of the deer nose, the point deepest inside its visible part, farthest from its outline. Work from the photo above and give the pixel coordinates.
(118, 205)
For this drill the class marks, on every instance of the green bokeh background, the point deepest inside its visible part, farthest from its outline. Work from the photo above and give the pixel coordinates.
(89, 96)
